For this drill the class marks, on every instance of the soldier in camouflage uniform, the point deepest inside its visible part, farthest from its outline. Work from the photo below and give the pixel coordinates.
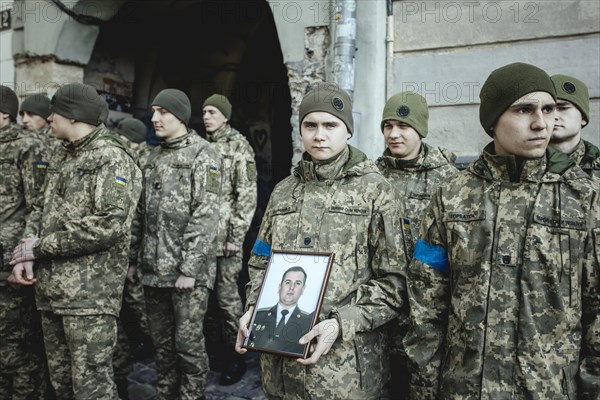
(414, 169)
(34, 111)
(133, 335)
(22, 170)
(335, 201)
(177, 263)
(238, 202)
(79, 238)
(573, 114)
(504, 284)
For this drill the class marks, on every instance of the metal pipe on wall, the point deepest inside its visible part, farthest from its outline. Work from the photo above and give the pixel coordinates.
(344, 48)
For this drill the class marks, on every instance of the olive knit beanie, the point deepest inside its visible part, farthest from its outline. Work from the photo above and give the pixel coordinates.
(220, 102)
(409, 108)
(79, 102)
(507, 84)
(176, 102)
(330, 98)
(37, 104)
(133, 129)
(9, 103)
(574, 91)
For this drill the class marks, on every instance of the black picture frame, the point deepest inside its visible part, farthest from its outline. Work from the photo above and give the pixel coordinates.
(266, 334)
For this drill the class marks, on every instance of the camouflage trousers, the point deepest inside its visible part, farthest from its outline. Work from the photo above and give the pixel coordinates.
(79, 350)
(132, 321)
(229, 306)
(175, 320)
(22, 364)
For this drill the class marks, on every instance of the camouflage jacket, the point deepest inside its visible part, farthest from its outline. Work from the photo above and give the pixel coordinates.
(22, 171)
(504, 285)
(179, 210)
(587, 156)
(415, 181)
(238, 194)
(354, 215)
(83, 225)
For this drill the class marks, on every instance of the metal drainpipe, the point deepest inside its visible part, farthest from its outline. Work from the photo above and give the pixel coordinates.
(345, 45)
(389, 50)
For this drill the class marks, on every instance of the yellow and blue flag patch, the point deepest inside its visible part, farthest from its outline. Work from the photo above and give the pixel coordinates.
(120, 181)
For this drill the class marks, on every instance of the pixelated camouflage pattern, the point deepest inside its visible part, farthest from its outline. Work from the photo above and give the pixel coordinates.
(92, 187)
(49, 142)
(238, 202)
(414, 182)
(587, 156)
(178, 211)
(175, 320)
(516, 314)
(22, 171)
(348, 208)
(238, 193)
(79, 350)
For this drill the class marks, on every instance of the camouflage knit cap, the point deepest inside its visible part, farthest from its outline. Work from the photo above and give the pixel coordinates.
(133, 129)
(409, 108)
(37, 104)
(220, 102)
(506, 85)
(574, 91)
(9, 103)
(79, 102)
(176, 102)
(330, 98)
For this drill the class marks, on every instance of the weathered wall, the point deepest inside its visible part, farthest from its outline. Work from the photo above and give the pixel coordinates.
(7, 70)
(445, 50)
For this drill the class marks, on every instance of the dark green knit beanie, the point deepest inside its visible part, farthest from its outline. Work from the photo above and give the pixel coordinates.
(574, 91)
(37, 104)
(79, 102)
(176, 102)
(220, 102)
(133, 129)
(506, 85)
(409, 108)
(9, 103)
(330, 98)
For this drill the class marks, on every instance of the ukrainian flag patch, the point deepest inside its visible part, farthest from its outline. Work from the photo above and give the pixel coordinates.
(120, 181)
(41, 164)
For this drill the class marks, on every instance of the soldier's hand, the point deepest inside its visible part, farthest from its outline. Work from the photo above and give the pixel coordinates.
(22, 275)
(23, 251)
(185, 283)
(243, 331)
(132, 275)
(230, 249)
(326, 333)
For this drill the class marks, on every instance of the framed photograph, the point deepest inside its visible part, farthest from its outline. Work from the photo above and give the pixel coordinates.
(289, 302)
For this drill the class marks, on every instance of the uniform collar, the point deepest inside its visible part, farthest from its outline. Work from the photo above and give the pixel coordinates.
(180, 142)
(219, 134)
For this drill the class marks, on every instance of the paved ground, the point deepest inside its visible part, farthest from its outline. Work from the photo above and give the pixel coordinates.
(142, 382)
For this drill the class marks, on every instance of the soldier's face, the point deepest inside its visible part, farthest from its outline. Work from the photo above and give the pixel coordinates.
(4, 119)
(525, 128)
(402, 140)
(291, 288)
(61, 126)
(213, 119)
(33, 121)
(568, 122)
(166, 125)
(324, 135)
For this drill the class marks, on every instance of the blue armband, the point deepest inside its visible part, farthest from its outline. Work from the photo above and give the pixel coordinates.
(261, 248)
(434, 256)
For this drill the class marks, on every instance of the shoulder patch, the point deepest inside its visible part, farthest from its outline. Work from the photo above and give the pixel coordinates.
(251, 173)
(213, 179)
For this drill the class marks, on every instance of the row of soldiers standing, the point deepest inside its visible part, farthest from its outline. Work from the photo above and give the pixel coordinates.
(528, 209)
(69, 212)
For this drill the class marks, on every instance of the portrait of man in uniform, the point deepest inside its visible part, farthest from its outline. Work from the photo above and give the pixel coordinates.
(278, 327)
